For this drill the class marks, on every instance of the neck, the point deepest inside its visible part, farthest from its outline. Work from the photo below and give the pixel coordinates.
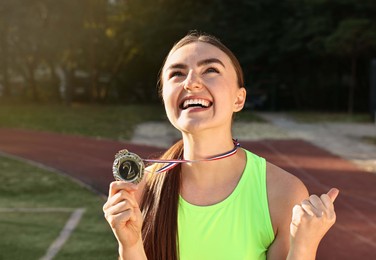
(205, 146)
(209, 174)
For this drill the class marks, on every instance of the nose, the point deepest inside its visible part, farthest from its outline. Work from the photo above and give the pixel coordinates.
(192, 82)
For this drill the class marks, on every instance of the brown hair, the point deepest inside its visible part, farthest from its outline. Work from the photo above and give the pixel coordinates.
(160, 210)
(160, 200)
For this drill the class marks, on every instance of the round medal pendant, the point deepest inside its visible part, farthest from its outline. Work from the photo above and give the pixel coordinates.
(128, 167)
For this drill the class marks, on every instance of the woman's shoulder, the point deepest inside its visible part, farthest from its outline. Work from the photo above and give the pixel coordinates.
(283, 182)
(284, 191)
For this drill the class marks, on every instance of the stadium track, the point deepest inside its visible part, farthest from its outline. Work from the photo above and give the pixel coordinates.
(89, 161)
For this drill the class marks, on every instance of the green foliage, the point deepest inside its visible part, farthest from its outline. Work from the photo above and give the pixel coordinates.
(352, 37)
(369, 139)
(297, 52)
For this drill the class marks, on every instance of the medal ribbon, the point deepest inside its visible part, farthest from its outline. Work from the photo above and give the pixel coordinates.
(172, 163)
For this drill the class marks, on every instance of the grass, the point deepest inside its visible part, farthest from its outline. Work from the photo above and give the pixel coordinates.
(114, 122)
(369, 139)
(316, 117)
(248, 116)
(28, 235)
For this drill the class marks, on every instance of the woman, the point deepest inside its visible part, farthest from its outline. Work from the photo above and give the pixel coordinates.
(237, 207)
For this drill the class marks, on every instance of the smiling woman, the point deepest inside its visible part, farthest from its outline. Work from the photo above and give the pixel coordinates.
(235, 207)
(210, 76)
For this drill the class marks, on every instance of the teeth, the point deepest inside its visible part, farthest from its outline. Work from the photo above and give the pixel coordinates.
(196, 101)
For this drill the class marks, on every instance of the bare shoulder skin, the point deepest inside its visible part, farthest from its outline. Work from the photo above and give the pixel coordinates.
(284, 192)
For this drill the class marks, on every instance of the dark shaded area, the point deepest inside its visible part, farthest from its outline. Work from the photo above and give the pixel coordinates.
(295, 54)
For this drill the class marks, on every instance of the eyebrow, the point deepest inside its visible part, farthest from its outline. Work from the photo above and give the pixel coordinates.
(211, 60)
(200, 63)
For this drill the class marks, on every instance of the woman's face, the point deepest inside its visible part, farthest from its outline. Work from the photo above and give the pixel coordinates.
(200, 88)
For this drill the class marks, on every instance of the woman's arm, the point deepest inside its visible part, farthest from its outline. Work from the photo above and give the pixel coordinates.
(136, 253)
(124, 216)
(311, 220)
(298, 233)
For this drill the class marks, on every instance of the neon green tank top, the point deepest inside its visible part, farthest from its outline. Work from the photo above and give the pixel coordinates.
(238, 227)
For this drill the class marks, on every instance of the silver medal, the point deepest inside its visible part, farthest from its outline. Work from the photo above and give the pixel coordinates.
(128, 167)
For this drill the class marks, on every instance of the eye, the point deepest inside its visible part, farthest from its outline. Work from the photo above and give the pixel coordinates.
(176, 73)
(211, 70)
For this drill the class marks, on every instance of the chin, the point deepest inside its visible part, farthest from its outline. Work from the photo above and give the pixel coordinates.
(194, 126)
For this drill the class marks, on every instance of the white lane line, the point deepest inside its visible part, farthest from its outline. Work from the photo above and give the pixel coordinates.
(64, 234)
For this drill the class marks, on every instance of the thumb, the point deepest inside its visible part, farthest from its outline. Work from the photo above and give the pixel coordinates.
(333, 193)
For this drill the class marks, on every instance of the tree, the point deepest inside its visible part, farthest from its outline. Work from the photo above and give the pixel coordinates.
(293, 50)
(352, 39)
(4, 48)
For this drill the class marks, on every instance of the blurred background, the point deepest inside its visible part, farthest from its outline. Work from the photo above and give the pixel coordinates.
(296, 55)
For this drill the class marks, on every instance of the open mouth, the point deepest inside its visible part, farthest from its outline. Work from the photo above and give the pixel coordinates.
(200, 103)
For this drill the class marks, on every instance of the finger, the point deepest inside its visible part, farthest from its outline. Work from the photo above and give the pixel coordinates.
(124, 195)
(297, 214)
(121, 195)
(327, 201)
(310, 209)
(317, 203)
(118, 208)
(333, 193)
(136, 214)
(115, 186)
(120, 218)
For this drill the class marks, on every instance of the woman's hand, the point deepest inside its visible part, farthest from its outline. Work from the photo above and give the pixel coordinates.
(311, 220)
(123, 214)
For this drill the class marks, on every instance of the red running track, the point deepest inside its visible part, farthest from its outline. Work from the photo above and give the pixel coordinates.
(89, 161)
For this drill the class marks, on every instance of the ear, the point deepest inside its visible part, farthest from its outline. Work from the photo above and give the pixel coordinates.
(240, 99)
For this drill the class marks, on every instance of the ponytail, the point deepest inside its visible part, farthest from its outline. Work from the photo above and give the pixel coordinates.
(159, 208)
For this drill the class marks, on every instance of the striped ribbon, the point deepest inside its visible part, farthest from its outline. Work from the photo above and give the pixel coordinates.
(174, 162)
